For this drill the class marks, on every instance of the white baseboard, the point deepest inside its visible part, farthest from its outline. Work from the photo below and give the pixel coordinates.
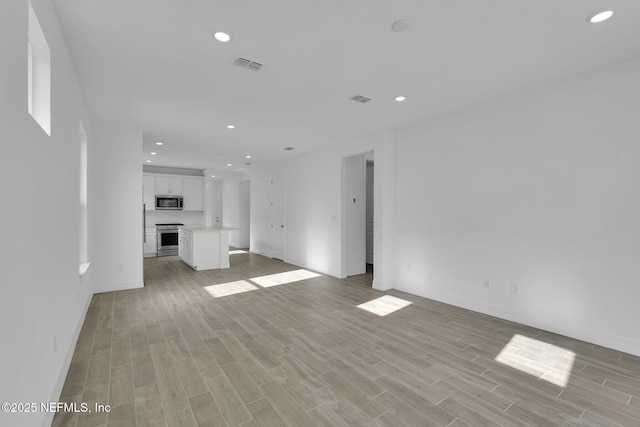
(66, 363)
(378, 285)
(557, 326)
(259, 252)
(310, 266)
(118, 286)
(299, 263)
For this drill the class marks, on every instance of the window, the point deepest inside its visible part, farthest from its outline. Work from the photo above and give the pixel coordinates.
(84, 206)
(38, 74)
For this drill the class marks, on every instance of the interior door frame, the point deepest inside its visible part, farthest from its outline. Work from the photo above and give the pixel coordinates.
(284, 215)
(345, 201)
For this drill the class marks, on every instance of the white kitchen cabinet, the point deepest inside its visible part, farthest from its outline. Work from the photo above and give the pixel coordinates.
(203, 247)
(185, 246)
(150, 242)
(166, 185)
(149, 184)
(193, 195)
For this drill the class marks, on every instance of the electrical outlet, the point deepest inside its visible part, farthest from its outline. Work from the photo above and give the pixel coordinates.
(486, 283)
(514, 288)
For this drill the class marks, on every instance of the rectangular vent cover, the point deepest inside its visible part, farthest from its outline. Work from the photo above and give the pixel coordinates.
(247, 63)
(361, 99)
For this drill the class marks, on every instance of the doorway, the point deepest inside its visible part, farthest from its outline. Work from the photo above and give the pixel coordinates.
(243, 236)
(217, 206)
(369, 215)
(358, 219)
(277, 215)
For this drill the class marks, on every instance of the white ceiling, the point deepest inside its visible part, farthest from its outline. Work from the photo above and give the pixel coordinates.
(154, 64)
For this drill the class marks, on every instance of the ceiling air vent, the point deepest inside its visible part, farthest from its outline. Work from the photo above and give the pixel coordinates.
(247, 63)
(361, 99)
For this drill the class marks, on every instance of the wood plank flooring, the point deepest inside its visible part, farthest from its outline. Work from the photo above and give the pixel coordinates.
(214, 348)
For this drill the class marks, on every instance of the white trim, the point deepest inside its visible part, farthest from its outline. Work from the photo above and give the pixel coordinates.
(258, 252)
(66, 364)
(284, 213)
(378, 285)
(118, 286)
(553, 325)
(313, 267)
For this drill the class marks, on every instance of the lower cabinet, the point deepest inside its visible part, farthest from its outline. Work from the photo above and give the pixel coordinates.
(150, 242)
(204, 248)
(185, 246)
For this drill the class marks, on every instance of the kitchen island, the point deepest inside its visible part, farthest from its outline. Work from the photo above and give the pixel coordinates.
(204, 247)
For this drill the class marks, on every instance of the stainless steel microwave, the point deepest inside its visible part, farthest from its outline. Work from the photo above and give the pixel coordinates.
(169, 202)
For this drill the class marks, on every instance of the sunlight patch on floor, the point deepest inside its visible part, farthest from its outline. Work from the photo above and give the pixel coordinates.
(283, 278)
(537, 358)
(230, 288)
(237, 251)
(384, 305)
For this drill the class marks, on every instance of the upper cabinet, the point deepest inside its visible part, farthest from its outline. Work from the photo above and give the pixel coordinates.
(193, 194)
(191, 188)
(149, 184)
(168, 185)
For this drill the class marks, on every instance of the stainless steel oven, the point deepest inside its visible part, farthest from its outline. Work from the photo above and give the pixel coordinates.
(167, 239)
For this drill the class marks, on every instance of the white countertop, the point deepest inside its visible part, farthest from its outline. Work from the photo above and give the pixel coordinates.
(206, 228)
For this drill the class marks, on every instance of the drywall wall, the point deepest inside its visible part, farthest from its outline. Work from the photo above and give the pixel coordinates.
(243, 233)
(260, 237)
(536, 194)
(166, 217)
(43, 298)
(116, 204)
(231, 207)
(354, 203)
(314, 223)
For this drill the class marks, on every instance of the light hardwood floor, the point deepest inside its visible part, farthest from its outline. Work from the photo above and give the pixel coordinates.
(179, 353)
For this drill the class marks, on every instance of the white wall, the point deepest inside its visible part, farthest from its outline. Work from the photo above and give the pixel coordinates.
(42, 294)
(314, 222)
(536, 191)
(231, 207)
(243, 239)
(166, 217)
(260, 239)
(539, 190)
(354, 204)
(116, 201)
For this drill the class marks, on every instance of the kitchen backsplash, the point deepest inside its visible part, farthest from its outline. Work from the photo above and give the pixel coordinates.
(164, 217)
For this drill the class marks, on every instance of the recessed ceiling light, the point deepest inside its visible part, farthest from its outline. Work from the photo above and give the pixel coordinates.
(148, 161)
(158, 143)
(222, 36)
(600, 16)
(247, 156)
(213, 176)
(400, 98)
(229, 164)
(231, 126)
(401, 25)
(153, 153)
